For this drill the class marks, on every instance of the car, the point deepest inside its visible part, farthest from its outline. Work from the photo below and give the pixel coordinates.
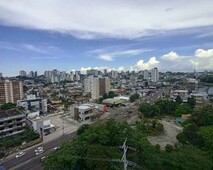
(20, 154)
(39, 152)
(43, 158)
(55, 148)
(39, 149)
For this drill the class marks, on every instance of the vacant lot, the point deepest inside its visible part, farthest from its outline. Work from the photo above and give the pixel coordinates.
(171, 129)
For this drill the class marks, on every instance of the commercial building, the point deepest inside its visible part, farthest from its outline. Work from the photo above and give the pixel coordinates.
(10, 91)
(12, 122)
(33, 104)
(41, 126)
(83, 112)
(97, 86)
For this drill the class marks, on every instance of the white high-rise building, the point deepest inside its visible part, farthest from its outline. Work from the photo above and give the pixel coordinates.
(154, 74)
(97, 86)
(114, 74)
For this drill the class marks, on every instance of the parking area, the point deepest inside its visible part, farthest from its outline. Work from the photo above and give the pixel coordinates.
(171, 129)
(63, 126)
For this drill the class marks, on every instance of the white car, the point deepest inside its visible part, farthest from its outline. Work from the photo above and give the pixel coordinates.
(20, 154)
(39, 152)
(39, 149)
(55, 148)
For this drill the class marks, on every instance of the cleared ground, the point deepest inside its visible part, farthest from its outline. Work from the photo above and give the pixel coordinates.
(171, 129)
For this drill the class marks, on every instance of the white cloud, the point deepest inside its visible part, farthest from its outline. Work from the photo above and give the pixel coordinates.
(170, 56)
(202, 60)
(147, 65)
(204, 53)
(94, 19)
(118, 53)
(106, 57)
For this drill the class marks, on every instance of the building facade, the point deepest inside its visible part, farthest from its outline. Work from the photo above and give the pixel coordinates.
(12, 122)
(33, 104)
(10, 91)
(97, 86)
(154, 75)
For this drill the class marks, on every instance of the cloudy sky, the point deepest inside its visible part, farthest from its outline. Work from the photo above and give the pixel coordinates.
(115, 34)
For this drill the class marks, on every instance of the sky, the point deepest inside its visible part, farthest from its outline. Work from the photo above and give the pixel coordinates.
(41, 35)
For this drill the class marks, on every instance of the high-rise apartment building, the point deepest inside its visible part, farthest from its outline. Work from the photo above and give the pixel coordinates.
(1, 75)
(11, 91)
(31, 74)
(154, 75)
(23, 73)
(114, 74)
(146, 75)
(97, 86)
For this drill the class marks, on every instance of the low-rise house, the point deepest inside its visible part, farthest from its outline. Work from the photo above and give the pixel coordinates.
(83, 112)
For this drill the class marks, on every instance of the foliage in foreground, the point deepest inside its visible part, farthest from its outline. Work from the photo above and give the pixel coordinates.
(13, 141)
(96, 145)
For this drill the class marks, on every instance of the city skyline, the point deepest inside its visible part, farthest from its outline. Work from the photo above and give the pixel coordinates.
(173, 36)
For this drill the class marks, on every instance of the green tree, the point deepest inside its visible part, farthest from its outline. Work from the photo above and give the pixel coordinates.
(191, 102)
(178, 100)
(111, 94)
(167, 107)
(134, 97)
(7, 106)
(149, 110)
(82, 129)
(183, 109)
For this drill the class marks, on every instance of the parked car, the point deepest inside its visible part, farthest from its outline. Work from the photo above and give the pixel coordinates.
(20, 154)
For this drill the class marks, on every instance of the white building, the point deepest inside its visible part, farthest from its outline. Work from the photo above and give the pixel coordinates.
(114, 74)
(83, 112)
(154, 75)
(97, 86)
(33, 106)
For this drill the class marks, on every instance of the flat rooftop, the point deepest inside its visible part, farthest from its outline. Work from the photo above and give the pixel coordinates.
(9, 113)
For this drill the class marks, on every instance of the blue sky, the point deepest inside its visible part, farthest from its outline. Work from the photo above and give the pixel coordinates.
(120, 35)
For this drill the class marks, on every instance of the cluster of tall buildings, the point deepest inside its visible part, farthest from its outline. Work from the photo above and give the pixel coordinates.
(11, 91)
(150, 75)
(96, 86)
(56, 76)
(32, 74)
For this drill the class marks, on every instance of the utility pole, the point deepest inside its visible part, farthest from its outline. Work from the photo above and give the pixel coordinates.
(124, 155)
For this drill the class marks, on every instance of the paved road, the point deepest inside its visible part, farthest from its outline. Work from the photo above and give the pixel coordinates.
(32, 162)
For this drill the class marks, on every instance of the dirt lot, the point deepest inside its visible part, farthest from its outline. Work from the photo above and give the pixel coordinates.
(171, 129)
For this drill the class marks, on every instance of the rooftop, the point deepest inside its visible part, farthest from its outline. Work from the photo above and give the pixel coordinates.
(9, 113)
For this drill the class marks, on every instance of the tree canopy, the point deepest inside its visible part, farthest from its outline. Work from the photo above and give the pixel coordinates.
(99, 144)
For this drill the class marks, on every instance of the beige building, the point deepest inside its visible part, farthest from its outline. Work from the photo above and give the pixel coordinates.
(97, 86)
(11, 91)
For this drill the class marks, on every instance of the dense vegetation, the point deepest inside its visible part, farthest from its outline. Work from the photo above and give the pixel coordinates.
(207, 79)
(13, 141)
(111, 94)
(134, 97)
(198, 130)
(96, 147)
(167, 107)
(8, 106)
